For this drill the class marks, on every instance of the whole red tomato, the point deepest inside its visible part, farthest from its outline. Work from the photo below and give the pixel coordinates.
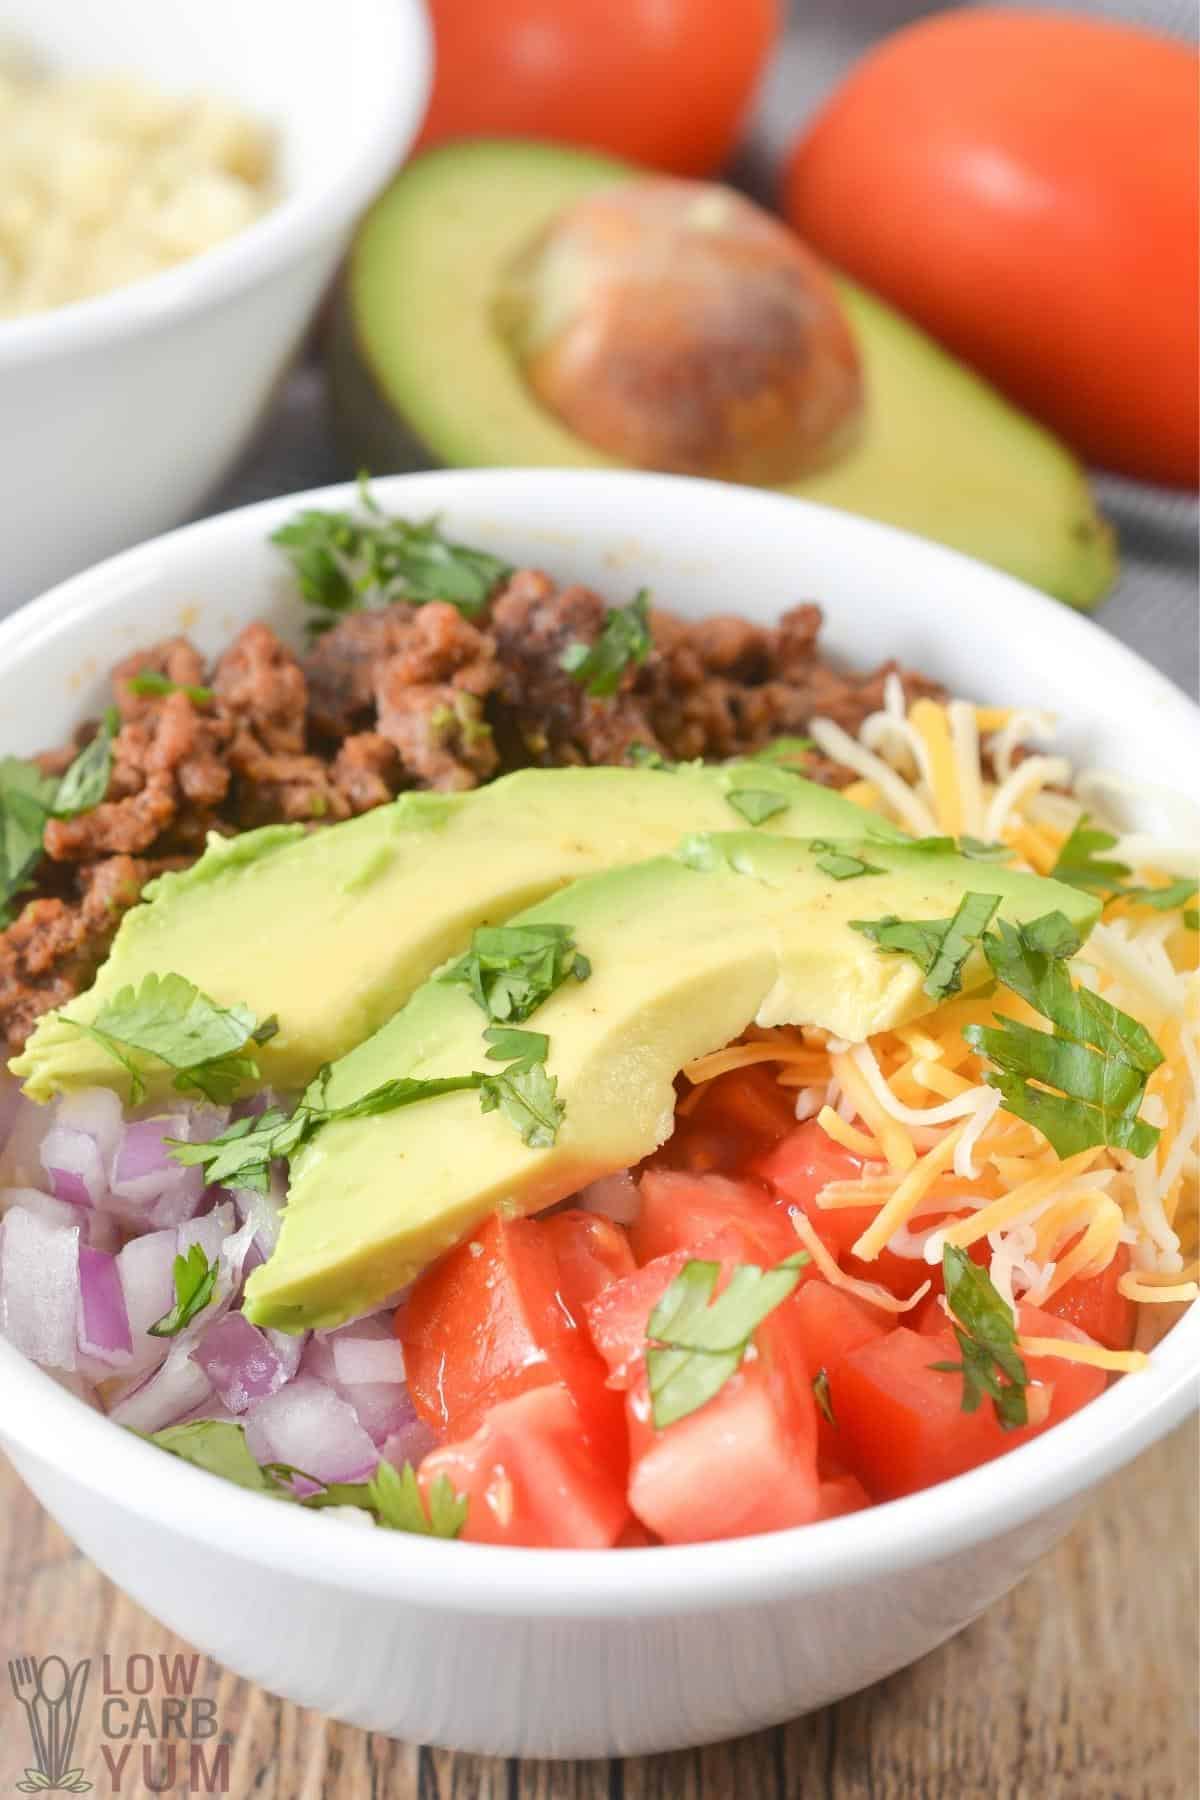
(1025, 184)
(663, 82)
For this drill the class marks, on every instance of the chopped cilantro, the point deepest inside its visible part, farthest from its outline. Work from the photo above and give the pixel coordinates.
(26, 802)
(695, 1343)
(757, 804)
(149, 682)
(939, 947)
(1090, 1071)
(1079, 865)
(987, 1340)
(509, 1045)
(168, 1018)
(511, 969)
(86, 781)
(822, 1395)
(195, 1278)
(842, 863)
(784, 750)
(979, 850)
(624, 641)
(528, 1098)
(641, 756)
(343, 561)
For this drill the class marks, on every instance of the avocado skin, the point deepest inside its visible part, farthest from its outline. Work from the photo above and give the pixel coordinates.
(331, 931)
(686, 952)
(421, 377)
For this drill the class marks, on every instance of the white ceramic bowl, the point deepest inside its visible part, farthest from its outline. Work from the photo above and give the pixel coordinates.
(561, 1652)
(120, 414)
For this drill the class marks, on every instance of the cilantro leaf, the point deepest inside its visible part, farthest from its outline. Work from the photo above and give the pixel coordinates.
(511, 969)
(26, 802)
(757, 804)
(841, 863)
(641, 756)
(986, 1334)
(784, 750)
(149, 682)
(822, 1396)
(979, 850)
(390, 1095)
(167, 1017)
(695, 1343)
(195, 1278)
(528, 1098)
(1090, 1071)
(624, 640)
(86, 781)
(242, 1154)
(219, 1446)
(509, 1045)
(1080, 866)
(399, 1505)
(344, 561)
(939, 947)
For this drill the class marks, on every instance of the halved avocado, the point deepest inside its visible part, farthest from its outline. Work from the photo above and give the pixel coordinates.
(422, 375)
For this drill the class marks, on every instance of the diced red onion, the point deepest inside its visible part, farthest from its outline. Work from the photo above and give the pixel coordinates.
(359, 1355)
(78, 1149)
(20, 1159)
(380, 1406)
(46, 1207)
(103, 1327)
(148, 1185)
(145, 1266)
(614, 1197)
(289, 1348)
(210, 1231)
(265, 1209)
(311, 1428)
(178, 1386)
(240, 1361)
(409, 1442)
(39, 1287)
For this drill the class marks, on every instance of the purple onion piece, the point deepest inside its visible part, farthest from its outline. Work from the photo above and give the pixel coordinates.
(103, 1329)
(311, 1428)
(240, 1362)
(39, 1287)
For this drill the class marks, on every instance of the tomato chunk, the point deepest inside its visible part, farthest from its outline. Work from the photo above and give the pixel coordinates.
(618, 1317)
(1096, 1306)
(900, 1422)
(745, 1462)
(530, 1478)
(841, 1494)
(591, 1252)
(487, 1323)
(679, 1209)
(735, 1117)
(831, 1324)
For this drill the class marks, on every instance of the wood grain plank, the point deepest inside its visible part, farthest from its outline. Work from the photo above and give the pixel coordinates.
(1080, 1685)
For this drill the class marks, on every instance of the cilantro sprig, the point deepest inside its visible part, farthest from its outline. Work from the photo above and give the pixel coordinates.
(841, 863)
(29, 799)
(1082, 864)
(939, 947)
(166, 1017)
(1082, 1083)
(756, 805)
(511, 969)
(986, 1334)
(392, 1496)
(195, 1278)
(345, 561)
(624, 640)
(695, 1343)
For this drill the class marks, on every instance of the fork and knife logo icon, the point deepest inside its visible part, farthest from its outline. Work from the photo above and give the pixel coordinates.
(52, 1696)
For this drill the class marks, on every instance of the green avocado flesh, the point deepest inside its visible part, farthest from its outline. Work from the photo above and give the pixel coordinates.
(686, 951)
(332, 930)
(422, 375)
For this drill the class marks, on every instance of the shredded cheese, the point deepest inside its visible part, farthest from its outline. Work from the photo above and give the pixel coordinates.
(870, 1291)
(1095, 1355)
(904, 1202)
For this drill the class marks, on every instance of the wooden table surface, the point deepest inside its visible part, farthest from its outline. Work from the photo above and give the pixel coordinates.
(1080, 1685)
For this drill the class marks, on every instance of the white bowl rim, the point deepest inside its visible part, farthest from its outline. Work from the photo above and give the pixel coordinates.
(52, 1426)
(283, 233)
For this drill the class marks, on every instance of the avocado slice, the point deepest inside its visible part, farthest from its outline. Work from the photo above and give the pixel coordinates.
(421, 375)
(686, 951)
(332, 930)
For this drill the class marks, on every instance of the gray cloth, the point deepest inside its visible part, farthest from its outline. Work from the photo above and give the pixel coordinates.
(1156, 606)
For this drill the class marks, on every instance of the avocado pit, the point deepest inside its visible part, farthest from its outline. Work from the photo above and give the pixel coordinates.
(676, 326)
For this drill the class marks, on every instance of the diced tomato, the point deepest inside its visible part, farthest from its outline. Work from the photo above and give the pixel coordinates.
(841, 1494)
(1096, 1306)
(486, 1323)
(734, 1118)
(618, 1317)
(592, 1252)
(677, 1210)
(530, 1478)
(901, 1426)
(806, 1161)
(831, 1324)
(745, 1462)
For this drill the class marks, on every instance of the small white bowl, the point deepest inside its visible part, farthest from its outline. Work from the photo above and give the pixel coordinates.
(573, 1653)
(118, 415)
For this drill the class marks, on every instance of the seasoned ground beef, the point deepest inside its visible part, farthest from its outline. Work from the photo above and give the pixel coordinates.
(400, 697)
